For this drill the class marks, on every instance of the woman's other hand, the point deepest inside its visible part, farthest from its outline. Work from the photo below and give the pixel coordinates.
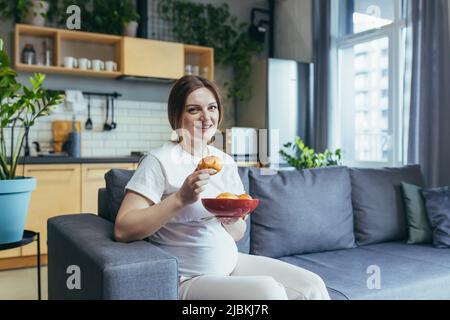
(193, 185)
(230, 221)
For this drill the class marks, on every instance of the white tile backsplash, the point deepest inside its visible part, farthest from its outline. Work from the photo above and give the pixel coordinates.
(140, 126)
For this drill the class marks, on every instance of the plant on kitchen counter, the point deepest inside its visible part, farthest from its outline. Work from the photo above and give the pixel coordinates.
(307, 158)
(20, 107)
(213, 26)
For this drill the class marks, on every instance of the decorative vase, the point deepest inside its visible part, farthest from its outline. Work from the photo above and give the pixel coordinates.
(35, 14)
(14, 203)
(130, 29)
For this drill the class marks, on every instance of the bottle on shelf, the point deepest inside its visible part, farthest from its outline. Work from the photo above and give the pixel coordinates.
(46, 54)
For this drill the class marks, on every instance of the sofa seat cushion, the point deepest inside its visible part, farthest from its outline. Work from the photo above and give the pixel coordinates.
(406, 271)
(378, 203)
(301, 211)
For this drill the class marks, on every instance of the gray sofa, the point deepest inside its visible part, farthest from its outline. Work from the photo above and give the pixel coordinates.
(347, 225)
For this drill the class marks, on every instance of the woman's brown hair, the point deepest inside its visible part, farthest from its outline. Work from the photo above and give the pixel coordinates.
(179, 93)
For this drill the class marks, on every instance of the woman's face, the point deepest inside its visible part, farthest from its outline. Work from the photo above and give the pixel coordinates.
(201, 114)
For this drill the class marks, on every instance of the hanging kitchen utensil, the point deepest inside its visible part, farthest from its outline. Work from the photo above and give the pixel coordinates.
(88, 124)
(113, 124)
(106, 125)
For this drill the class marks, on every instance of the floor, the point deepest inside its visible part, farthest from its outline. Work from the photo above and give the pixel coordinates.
(21, 284)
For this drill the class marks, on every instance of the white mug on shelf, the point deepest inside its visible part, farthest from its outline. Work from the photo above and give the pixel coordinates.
(196, 70)
(111, 66)
(98, 65)
(70, 62)
(84, 64)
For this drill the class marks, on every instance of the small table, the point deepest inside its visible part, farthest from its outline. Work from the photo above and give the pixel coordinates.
(28, 237)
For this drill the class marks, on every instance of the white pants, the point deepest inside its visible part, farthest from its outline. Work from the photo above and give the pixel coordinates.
(256, 278)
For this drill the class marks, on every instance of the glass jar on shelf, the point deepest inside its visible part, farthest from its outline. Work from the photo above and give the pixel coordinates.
(28, 54)
(205, 72)
(188, 70)
(196, 70)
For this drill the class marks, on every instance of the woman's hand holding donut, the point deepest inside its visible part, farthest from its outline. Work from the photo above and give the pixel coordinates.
(193, 185)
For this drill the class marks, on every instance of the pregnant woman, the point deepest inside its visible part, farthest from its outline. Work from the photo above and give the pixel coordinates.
(162, 203)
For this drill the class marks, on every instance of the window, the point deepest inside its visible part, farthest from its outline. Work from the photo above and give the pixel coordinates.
(367, 73)
(362, 15)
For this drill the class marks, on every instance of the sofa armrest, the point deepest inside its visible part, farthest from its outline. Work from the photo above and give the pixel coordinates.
(107, 269)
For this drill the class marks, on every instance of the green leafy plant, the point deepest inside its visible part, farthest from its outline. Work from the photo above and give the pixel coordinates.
(214, 26)
(16, 9)
(102, 16)
(20, 107)
(307, 158)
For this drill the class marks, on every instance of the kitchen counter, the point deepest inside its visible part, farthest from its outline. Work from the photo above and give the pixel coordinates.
(57, 160)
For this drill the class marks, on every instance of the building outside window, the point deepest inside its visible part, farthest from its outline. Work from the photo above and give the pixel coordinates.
(368, 67)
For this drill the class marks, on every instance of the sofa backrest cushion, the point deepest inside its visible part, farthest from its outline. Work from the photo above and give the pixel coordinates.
(102, 204)
(377, 202)
(116, 180)
(301, 212)
(244, 244)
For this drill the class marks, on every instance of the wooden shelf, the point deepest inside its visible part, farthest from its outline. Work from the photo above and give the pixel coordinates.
(200, 56)
(68, 43)
(133, 56)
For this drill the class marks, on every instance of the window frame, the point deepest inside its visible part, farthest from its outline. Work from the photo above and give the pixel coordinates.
(393, 32)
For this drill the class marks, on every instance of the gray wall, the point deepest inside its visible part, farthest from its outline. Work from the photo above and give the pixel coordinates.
(293, 38)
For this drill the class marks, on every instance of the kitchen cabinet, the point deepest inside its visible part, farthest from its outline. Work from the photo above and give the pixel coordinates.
(70, 188)
(152, 58)
(135, 57)
(92, 179)
(57, 193)
(67, 43)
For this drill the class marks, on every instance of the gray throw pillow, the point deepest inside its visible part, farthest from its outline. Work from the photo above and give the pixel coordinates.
(437, 202)
(301, 212)
(419, 230)
(378, 205)
(116, 180)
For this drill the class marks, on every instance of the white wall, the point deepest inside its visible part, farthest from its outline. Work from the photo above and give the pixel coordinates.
(293, 39)
(140, 126)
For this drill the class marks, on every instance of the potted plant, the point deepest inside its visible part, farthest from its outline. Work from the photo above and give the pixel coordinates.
(130, 19)
(37, 13)
(28, 11)
(20, 107)
(307, 158)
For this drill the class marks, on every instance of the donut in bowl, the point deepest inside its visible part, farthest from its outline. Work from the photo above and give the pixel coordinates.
(227, 195)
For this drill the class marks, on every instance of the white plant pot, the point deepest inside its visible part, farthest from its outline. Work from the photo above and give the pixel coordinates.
(34, 16)
(131, 29)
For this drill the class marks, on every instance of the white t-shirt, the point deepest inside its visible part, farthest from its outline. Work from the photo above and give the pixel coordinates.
(202, 247)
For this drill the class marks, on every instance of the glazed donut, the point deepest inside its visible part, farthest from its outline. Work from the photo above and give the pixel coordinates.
(227, 195)
(210, 162)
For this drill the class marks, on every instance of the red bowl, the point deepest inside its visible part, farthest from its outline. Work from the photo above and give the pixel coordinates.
(230, 208)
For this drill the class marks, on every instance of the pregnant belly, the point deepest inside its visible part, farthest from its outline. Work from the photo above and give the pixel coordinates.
(201, 248)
